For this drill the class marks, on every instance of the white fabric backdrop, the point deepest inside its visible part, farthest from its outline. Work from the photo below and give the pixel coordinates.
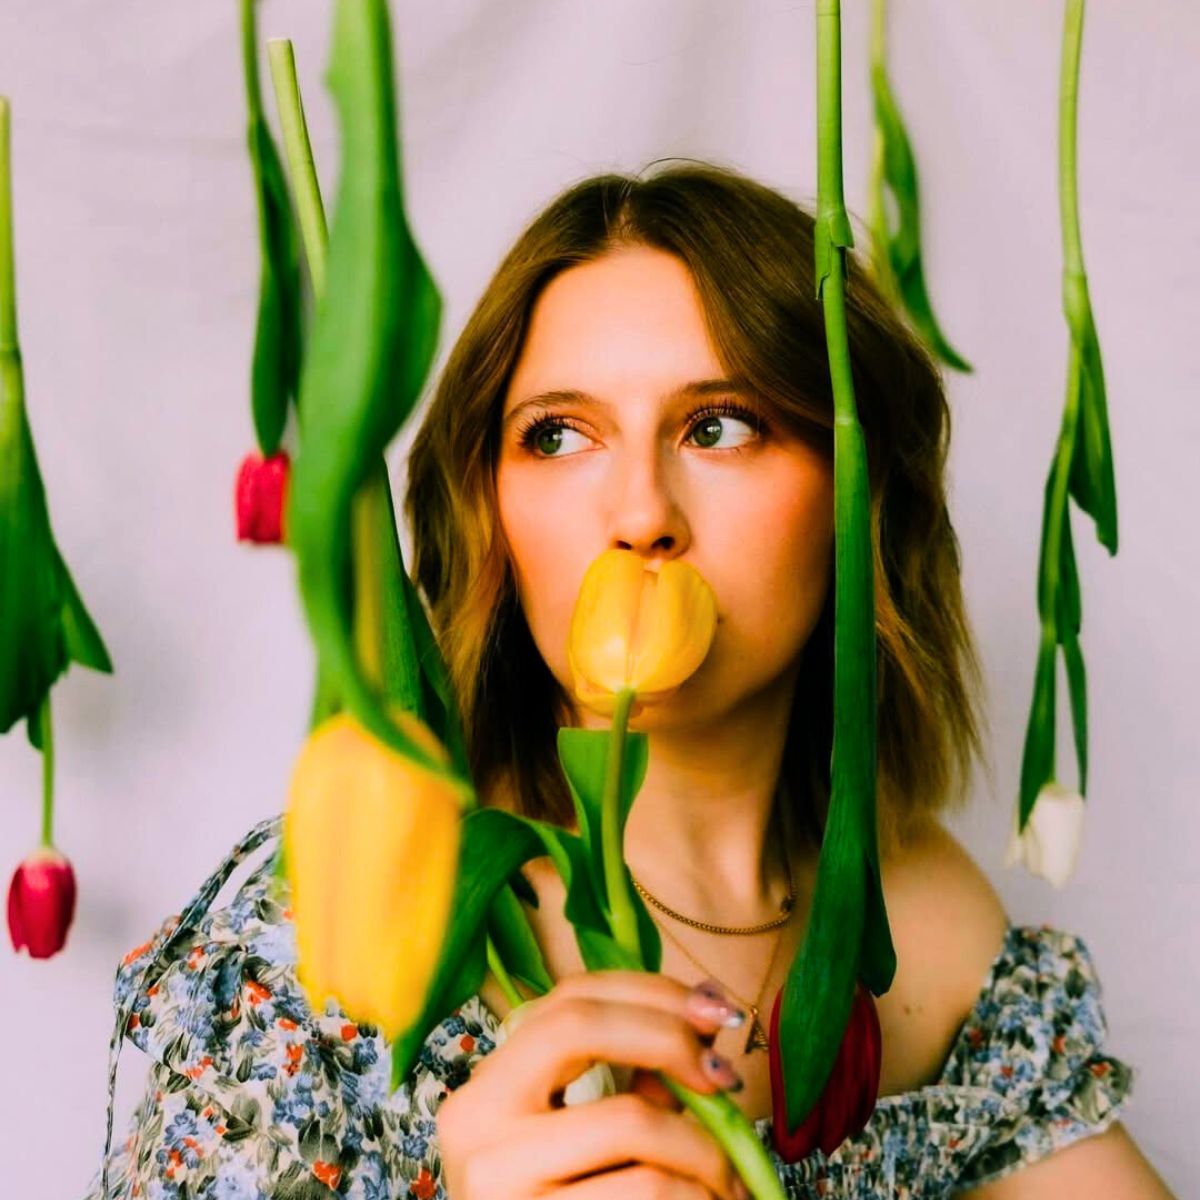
(137, 266)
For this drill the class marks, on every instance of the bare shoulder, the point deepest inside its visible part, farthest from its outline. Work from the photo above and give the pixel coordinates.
(948, 925)
(1108, 1166)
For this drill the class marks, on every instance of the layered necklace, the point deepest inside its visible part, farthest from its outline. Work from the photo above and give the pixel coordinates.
(756, 1038)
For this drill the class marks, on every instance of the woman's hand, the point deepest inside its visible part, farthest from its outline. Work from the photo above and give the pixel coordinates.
(504, 1134)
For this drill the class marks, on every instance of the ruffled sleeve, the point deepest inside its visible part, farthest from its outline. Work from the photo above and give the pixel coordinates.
(252, 1093)
(1036, 1039)
(1027, 1075)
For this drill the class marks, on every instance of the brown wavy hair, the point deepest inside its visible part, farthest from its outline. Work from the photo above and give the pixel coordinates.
(750, 251)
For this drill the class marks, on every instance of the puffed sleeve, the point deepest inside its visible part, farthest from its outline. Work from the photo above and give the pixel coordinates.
(1036, 1040)
(251, 1093)
(179, 1138)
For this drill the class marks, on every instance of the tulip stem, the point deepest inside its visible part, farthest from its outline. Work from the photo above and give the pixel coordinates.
(8, 298)
(622, 915)
(47, 736)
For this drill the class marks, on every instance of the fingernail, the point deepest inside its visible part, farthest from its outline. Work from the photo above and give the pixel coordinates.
(720, 1070)
(740, 1190)
(707, 1002)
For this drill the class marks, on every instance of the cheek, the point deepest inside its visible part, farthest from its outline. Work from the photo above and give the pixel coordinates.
(776, 564)
(546, 544)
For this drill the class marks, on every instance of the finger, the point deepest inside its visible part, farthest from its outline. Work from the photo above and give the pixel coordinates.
(608, 1133)
(637, 1182)
(555, 1046)
(706, 1006)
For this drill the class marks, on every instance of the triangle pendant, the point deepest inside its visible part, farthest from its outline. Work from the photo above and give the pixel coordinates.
(755, 1039)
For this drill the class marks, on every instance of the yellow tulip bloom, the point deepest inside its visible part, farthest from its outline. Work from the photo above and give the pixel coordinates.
(371, 843)
(637, 628)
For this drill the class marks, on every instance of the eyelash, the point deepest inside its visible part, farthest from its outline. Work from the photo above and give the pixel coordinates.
(528, 432)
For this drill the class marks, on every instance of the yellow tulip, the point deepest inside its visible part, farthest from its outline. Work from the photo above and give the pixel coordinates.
(637, 628)
(371, 844)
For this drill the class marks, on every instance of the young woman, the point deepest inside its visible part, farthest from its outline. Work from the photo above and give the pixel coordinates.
(647, 371)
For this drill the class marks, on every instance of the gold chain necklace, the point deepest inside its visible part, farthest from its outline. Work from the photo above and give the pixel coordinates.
(756, 1039)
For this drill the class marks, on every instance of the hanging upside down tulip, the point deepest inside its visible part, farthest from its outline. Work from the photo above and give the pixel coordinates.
(261, 498)
(41, 903)
(639, 629)
(848, 1099)
(371, 842)
(1049, 844)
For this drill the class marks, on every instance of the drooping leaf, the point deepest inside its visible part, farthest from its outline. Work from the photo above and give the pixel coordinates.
(509, 930)
(44, 625)
(1092, 480)
(275, 369)
(494, 844)
(848, 935)
(371, 347)
(1077, 685)
(1037, 759)
(902, 245)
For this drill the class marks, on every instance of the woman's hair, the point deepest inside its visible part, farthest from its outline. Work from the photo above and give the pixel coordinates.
(750, 252)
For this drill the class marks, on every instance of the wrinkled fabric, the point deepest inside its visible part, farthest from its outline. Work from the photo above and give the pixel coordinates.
(253, 1096)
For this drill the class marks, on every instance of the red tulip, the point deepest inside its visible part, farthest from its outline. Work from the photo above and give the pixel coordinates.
(261, 497)
(846, 1104)
(41, 903)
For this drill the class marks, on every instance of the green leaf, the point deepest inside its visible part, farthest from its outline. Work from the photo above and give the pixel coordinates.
(494, 844)
(372, 344)
(1092, 481)
(1077, 683)
(275, 369)
(903, 245)
(440, 707)
(43, 622)
(1037, 758)
(1070, 604)
(583, 754)
(515, 943)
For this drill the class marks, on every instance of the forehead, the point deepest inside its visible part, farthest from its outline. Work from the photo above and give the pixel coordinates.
(629, 321)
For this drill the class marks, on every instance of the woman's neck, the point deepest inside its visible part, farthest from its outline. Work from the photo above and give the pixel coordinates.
(706, 834)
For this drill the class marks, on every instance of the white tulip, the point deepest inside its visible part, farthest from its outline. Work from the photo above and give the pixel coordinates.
(595, 1082)
(1049, 846)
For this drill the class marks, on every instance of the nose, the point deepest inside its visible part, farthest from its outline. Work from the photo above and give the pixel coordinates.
(645, 514)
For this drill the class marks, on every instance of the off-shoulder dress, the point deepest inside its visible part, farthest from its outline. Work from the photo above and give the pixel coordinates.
(253, 1096)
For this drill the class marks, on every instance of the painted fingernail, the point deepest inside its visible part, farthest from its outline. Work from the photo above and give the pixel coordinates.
(720, 1070)
(707, 1002)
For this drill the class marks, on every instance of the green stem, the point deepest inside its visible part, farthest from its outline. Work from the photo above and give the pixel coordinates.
(735, 1134)
(1068, 194)
(620, 904)
(1068, 107)
(47, 732)
(8, 290)
(502, 976)
(878, 31)
(250, 60)
(829, 108)
(305, 187)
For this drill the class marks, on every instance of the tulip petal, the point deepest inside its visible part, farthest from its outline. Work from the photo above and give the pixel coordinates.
(675, 631)
(371, 849)
(602, 623)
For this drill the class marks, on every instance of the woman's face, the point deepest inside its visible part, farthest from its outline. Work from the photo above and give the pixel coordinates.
(622, 456)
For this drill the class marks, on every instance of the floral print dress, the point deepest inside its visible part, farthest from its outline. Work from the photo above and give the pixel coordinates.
(253, 1096)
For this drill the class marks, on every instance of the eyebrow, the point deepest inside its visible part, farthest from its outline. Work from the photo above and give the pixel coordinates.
(697, 388)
